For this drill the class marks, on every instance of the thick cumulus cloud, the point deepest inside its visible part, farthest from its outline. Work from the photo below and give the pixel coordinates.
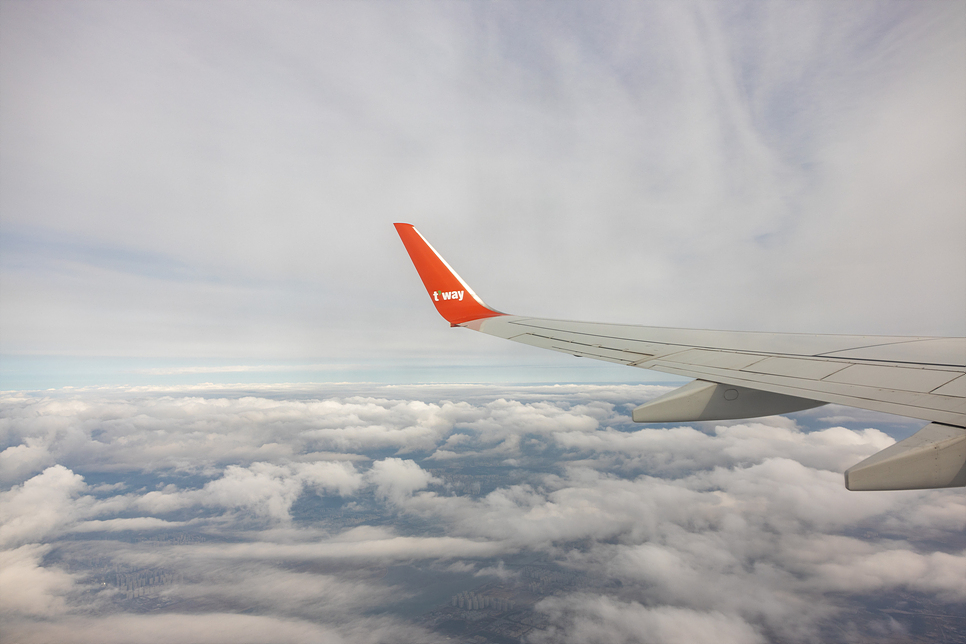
(39, 591)
(280, 512)
(395, 479)
(261, 490)
(40, 506)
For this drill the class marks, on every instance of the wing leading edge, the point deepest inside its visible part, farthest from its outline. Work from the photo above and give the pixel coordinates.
(744, 374)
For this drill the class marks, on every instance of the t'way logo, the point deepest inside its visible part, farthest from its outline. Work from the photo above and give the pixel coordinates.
(448, 295)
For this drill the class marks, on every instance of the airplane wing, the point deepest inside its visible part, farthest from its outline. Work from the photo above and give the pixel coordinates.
(744, 374)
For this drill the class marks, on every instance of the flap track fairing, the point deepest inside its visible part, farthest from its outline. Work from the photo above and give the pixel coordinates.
(933, 457)
(703, 400)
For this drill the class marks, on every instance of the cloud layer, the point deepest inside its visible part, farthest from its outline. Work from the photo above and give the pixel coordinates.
(740, 532)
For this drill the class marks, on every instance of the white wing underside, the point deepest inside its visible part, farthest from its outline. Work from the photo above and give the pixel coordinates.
(918, 377)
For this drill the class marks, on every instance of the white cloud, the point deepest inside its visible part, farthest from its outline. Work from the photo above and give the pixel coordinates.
(598, 619)
(936, 572)
(135, 524)
(258, 586)
(41, 507)
(262, 489)
(396, 479)
(744, 528)
(31, 588)
(359, 545)
(683, 449)
(17, 462)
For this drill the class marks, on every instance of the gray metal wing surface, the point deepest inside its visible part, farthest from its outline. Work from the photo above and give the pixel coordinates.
(918, 377)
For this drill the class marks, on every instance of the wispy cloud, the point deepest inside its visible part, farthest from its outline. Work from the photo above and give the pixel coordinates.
(181, 181)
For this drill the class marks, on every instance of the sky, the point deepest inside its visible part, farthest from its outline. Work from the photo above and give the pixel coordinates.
(218, 366)
(186, 185)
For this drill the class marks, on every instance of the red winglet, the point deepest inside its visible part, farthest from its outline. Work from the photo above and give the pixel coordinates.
(454, 299)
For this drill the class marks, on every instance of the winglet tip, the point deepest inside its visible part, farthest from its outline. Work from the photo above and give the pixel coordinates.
(453, 298)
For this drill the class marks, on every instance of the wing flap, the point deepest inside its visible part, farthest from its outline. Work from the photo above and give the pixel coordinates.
(796, 368)
(895, 378)
(710, 358)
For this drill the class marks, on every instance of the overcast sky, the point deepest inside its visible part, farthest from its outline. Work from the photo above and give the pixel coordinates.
(218, 180)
